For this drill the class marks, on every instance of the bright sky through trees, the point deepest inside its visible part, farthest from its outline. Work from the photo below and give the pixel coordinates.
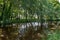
(59, 1)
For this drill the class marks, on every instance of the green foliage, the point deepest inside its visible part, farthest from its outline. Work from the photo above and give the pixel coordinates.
(27, 9)
(23, 11)
(54, 35)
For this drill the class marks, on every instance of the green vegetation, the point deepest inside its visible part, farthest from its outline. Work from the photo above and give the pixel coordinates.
(13, 13)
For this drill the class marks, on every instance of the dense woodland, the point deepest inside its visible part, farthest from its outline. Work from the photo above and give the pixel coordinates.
(29, 20)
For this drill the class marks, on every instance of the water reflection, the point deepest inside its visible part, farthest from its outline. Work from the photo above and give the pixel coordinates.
(25, 26)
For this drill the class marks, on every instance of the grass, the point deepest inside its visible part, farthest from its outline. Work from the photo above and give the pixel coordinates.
(54, 35)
